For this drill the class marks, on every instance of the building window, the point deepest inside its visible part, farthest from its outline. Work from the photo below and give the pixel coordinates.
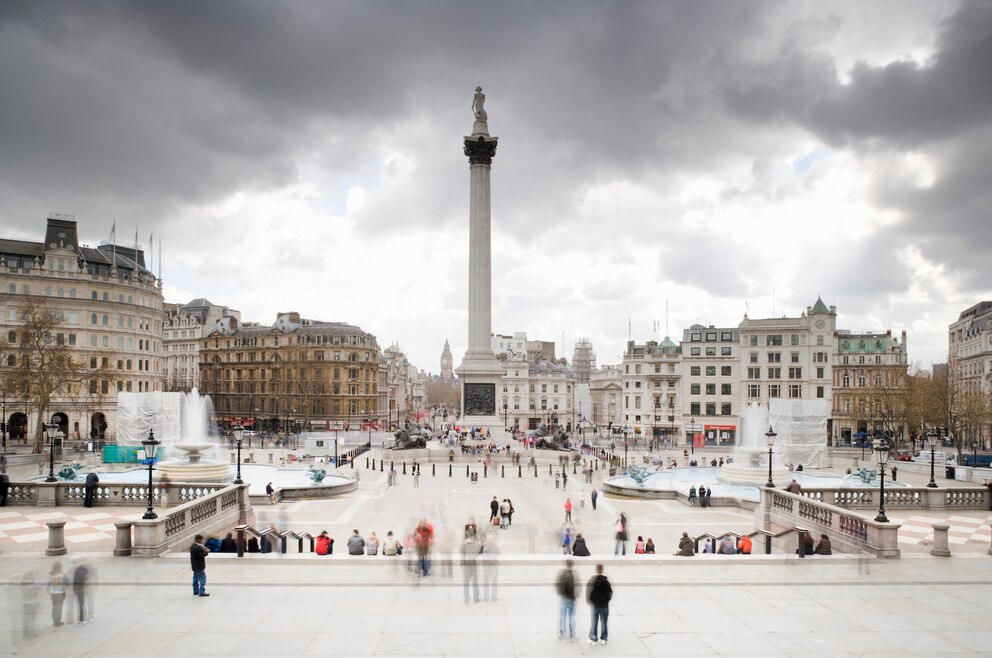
(794, 339)
(795, 357)
(710, 351)
(725, 409)
(819, 373)
(774, 391)
(726, 371)
(725, 389)
(754, 357)
(754, 391)
(819, 391)
(795, 373)
(696, 337)
(727, 335)
(694, 389)
(774, 373)
(725, 351)
(694, 351)
(753, 342)
(773, 339)
(694, 408)
(710, 335)
(694, 371)
(774, 357)
(710, 408)
(819, 340)
(711, 389)
(795, 391)
(754, 373)
(711, 371)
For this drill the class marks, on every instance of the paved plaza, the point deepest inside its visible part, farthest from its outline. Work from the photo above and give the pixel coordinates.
(341, 605)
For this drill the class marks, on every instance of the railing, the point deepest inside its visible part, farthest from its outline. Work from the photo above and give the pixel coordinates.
(850, 531)
(922, 498)
(281, 537)
(220, 509)
(65, 493)
(764, 536)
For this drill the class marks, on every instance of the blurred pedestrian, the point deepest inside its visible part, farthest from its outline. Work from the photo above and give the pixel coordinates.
(423, 539)
(30, 604)
(81, 577)
(58, 581)
(620, 530)
(470, 573)
(594, 495)
(89, 489)
(565, 588)
(568, 510)
(599, 593)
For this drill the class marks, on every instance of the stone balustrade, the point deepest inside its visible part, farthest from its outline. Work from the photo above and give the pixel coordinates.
(56, 494)
(213, 513)
(849, 532)
(922, 498)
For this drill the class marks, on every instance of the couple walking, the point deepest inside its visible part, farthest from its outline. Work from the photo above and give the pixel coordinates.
(599, 592)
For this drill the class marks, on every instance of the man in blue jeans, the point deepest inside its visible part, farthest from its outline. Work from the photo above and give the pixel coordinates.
(598, 594)
(198, 562)
(565, 587)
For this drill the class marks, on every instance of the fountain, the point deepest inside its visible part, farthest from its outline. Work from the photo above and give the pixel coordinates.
(750, 464)
(194, 439)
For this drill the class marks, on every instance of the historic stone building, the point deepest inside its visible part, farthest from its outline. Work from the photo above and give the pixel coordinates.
(606, 390)
(583, 360)
(711, 363)
(108, 309)
(181, 333)
(652, 406)
(869, 373)
(447, 362)
(295, 374)
(969, 365)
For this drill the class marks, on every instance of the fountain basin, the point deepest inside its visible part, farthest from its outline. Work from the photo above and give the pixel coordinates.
(198, 471)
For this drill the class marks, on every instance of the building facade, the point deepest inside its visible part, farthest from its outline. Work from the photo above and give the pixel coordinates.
(969, 366)
(651, 405)
(447, 362)
(606, 393)
(711, 385)
(583, 360)
(107, 307)
(182, 331)
(869, 375)
(294, 374)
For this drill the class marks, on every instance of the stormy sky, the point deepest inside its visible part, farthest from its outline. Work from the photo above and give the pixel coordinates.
(711, 156)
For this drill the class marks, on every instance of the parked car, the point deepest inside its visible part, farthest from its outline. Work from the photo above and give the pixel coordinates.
(904, 456)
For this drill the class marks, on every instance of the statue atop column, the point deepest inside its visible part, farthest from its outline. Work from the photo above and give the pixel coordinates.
(477, 105)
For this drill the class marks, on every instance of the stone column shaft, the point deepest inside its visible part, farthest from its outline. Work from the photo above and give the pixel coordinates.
(480, 262)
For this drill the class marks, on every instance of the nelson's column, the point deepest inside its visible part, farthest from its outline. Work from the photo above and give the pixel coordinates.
(480, 372)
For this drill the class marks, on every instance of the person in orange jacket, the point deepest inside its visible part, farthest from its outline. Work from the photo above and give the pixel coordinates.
(744, 547)
(323, 545)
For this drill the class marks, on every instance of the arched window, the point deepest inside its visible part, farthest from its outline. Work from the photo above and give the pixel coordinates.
(105, 320)
(106, 297)
(12, 337)
(94, 294)
(93, 319)
(11, 361)
(60, 292)
(26, 289)
(48, 291)
(13, 289)
(72, 293)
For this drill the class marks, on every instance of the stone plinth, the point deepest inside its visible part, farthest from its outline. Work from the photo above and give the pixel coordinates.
(940, 546)
(56, 538)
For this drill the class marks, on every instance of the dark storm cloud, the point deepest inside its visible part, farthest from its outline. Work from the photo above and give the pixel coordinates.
(137, 108)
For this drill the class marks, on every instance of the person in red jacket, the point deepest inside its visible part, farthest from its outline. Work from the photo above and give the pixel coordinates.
(568, 510)
(744, 547)
(324, 544)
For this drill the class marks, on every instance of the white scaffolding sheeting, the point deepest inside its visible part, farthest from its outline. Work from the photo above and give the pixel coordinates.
(801, 426)
(137, 413)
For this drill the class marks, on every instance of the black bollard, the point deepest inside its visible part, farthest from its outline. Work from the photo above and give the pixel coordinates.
(404, 468)
(520, 471)
(449, 470)
(382, 465)
(433, 470)
(485, 470)
(466, 470)
(241, 541)
(574, 466)
(502, 471)
(535, 470)
(352, 463)
(392, 466)
(366, 462)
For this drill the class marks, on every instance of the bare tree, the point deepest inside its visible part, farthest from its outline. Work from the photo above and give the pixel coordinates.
(39, 365)
(952, 404)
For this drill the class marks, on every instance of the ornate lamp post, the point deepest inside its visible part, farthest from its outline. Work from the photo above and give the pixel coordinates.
(239, 432)
(770, 437)
(974, 453)
(150, 445)
(52, 429)
(504, 415)
(932, 441)
(881, 457)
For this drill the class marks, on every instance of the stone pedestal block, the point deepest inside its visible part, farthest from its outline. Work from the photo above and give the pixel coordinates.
(940, 547)
(123, 547)
(56, 538)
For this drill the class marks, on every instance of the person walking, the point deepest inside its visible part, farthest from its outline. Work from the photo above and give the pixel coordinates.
(4, 488)
(89, 489)
(599, 592)
(57, 582)
(568, 510)
(416, 478)
(504, 513)
(565, 587)
(509, 517)
(594, 495)
(198, 563)
(493, 510)
(621, 535)
(470, 572)
(557, 480)
(564, 480)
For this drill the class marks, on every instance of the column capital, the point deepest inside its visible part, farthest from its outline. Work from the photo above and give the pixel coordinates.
(480, 150)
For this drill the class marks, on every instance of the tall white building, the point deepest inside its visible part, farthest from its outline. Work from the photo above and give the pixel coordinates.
(606, 392)
(969, 352)
(711, 385)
